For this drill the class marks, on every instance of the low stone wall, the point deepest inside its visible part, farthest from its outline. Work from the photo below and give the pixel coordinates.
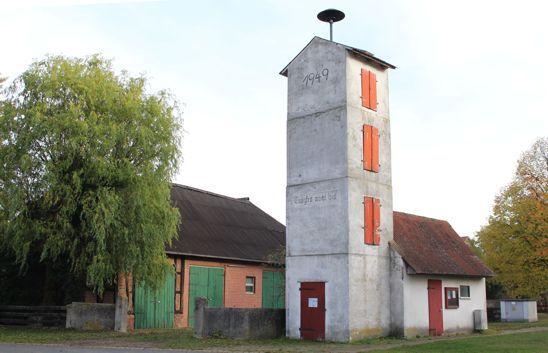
(239, 323)
(90, 316)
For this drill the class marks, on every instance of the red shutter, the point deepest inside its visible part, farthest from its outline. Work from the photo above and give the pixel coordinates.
(372, 91)
(366, 98)
(367, 147)
(377, 221)
(368, 219)
(374, 149)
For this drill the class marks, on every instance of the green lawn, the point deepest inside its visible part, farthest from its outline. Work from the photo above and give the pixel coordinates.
(512, 343)
(516, 342)
(501, 326)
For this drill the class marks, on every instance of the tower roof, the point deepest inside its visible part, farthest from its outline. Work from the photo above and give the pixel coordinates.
(360, 52)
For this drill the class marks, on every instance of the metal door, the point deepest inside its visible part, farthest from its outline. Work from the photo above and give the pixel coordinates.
(435, 314)
(155, 309)
(273, 290)
(312, 310)
(207, 282)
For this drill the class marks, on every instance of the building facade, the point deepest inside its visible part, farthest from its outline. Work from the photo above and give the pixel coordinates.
(344, 278)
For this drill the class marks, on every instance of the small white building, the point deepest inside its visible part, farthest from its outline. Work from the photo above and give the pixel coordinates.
(354, 267)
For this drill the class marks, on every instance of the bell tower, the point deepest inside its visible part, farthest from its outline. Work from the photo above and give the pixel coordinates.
(339, 193)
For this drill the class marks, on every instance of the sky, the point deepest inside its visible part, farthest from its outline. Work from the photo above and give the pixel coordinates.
(469, 95)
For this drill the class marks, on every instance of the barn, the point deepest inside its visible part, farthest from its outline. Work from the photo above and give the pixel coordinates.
(223, 253)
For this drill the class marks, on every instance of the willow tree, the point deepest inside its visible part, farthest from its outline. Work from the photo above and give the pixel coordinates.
(87, 156)
(515, 241)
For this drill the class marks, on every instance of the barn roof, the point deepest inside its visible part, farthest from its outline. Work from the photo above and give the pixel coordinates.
(223, 227)
(431, 246)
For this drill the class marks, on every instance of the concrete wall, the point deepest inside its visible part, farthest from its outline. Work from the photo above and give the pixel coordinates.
(454, 320)
(326, 185)
(238, 323)
(90, 316)
(369, 265)
(317, 212)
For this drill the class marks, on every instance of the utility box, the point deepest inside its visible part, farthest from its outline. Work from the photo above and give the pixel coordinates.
(480, 320)
(518, 310)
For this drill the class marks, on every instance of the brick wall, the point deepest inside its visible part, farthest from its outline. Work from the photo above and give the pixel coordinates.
(235, 295)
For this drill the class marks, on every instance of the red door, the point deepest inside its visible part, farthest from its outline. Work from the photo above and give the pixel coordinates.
(435, 315)
(312, 310)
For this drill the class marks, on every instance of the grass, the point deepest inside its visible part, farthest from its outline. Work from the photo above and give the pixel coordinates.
(501, 326)
(530, 342)
(518, 342)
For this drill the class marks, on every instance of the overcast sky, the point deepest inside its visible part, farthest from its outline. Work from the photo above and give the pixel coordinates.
(469, 95)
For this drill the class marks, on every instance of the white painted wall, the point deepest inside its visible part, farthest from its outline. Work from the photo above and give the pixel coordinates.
(454, 320)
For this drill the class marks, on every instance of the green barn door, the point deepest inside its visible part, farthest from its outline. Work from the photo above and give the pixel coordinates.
(273, 290)
(155, 309)
(207, 282)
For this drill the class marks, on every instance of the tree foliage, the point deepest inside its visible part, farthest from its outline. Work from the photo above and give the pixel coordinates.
(515, 241)
(87, 158)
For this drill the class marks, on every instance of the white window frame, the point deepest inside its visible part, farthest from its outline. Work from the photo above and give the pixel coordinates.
(460, 291)
(251, 285)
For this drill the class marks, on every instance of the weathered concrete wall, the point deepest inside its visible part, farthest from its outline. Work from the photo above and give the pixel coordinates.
(317, 212)
(90, 316)
(326, 185)
(397, 304)
(238, 323)
(454, 320)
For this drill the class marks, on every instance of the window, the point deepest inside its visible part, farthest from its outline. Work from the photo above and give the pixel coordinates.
(372, 220)
(451, 298)
(250, 285)
(369, 89)
(370, 148)
(465, 291)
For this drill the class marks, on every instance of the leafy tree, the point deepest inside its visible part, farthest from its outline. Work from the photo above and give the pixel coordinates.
(515, 241)
(87, 158)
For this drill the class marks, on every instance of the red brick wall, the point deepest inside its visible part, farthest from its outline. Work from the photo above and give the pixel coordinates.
(235, 295)
(234, 288)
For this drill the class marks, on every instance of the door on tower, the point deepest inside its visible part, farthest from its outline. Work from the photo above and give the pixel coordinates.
(312, 310)
(435, 313)
(155, 308)
(206, 282)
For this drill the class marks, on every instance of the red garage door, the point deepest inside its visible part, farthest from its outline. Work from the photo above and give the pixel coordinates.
(312, 310)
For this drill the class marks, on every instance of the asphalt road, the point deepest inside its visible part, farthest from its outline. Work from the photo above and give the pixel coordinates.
(46, 348)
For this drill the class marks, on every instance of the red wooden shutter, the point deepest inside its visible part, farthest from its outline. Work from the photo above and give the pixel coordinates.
(372, 91)
(368, 219)
(374, 149)
(366, 98)
(367, 147)
(377, 221)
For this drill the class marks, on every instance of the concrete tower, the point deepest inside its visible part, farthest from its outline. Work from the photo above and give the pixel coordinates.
(339, 194)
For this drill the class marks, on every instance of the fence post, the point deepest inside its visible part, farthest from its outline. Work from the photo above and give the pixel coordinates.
(199, 312)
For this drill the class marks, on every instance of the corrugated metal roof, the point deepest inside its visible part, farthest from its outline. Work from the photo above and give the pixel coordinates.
(360, 52)
(431, 246)
(223, 227)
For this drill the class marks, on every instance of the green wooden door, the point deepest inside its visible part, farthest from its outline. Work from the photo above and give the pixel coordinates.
(273, 290)
(155, 309)
(207, 282)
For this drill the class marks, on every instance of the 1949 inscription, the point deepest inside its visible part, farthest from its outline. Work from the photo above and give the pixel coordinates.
(318, 77)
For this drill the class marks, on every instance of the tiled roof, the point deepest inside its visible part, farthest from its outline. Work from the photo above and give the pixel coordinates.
(431, 246)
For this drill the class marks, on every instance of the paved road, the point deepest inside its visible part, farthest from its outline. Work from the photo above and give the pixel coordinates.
(46, 348)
